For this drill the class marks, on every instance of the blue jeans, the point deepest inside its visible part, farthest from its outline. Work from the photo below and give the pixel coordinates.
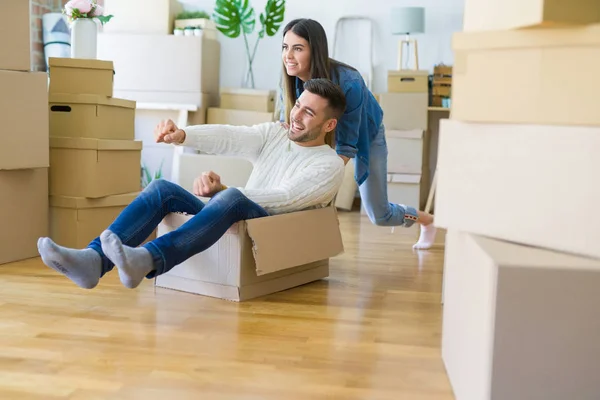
(210, 221)
(373, 191)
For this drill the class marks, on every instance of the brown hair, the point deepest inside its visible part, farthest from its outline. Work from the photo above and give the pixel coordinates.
(335, 98)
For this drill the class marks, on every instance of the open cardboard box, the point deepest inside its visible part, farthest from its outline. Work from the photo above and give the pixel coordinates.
(259, 256)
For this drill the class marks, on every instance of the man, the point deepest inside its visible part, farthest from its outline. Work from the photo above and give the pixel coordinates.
(294, 169)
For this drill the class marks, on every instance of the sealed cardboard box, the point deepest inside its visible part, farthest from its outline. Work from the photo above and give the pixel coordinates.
(404, 111)
(23, 212)
(497, 15)
(141, 77)
(509, 317)
(15, 48)
(407, 189)
(226, 116)
(81, 76)
(538, 76)
(531, 184)
(248, 99)
(94, 168)
(407, 151)
(91, 116)
(408, 81)
(76, 221)
(154, 17)
(24, 116)
(259, 256)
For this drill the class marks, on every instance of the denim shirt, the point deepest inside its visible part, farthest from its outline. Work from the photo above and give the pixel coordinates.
(360, 122)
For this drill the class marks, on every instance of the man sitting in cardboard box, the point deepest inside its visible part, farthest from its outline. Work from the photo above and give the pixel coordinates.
(294, 169)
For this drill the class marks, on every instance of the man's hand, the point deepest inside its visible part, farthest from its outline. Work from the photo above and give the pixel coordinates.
(168, 132)
(208, 184)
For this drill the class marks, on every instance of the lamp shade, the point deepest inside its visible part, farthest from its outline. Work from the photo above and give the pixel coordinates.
(407, 20)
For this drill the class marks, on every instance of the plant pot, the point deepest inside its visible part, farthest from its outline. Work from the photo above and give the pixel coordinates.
(84, 38)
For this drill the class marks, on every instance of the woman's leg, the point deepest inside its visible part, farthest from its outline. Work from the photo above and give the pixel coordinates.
(133, 225)
(373, 193)
(196, 235)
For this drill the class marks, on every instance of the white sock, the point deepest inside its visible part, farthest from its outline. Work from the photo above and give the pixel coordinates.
(426, 238)
(132, 263)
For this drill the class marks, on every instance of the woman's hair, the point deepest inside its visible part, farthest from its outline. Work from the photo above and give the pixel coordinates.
(321, 65)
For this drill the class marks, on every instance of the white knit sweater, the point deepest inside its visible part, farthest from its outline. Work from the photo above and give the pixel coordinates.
(286, 177)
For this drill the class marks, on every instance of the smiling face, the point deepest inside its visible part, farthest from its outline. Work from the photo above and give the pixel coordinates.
(310, 120)
(296, 56)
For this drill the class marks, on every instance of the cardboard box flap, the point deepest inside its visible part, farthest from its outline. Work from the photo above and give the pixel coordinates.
(66, 99)
(527, 38)
(84, 202)
(404, 134)
(94, 144)
(80, 63)
(248, 92)
(404, 178)
(408, 72)
(288, 240)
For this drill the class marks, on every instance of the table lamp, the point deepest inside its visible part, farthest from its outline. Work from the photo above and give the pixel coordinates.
(405, 21)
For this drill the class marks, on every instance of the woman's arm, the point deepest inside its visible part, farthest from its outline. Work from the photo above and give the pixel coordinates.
(347, 130)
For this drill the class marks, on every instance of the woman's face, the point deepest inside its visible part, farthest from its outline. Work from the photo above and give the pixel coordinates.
(296, 56)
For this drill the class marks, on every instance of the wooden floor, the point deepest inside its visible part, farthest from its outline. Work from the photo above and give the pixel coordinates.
(371, 331)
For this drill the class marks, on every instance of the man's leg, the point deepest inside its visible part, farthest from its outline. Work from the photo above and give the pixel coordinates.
(134, 224)
(373, 193)
(199, 233)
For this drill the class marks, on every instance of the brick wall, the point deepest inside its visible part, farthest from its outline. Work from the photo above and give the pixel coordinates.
(39, 8)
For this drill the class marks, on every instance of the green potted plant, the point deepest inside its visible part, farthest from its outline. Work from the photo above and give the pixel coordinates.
(235, 17)
(193, 19)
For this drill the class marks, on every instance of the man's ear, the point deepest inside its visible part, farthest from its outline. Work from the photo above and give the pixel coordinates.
(330, 124)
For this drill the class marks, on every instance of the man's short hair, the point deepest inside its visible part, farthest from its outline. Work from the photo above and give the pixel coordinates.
(330, 91)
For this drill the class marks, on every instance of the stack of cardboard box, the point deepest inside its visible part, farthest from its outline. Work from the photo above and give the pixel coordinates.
(518, 191)
(23, 139)
(243, 107)
(441, 88)
(94, 159)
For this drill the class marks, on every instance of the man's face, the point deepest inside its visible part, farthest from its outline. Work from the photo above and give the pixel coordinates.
(308, 118)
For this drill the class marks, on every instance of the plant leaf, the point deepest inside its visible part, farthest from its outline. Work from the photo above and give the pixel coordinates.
(274, 14)
(233, 16)
(104, 18)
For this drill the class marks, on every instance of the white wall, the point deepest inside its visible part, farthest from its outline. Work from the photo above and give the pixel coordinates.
(442, 18)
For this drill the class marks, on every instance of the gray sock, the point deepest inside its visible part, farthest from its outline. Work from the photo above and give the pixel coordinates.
(83, 267)
(133, 263)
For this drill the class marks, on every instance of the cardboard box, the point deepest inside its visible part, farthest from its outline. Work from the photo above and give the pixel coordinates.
(519, 322)
(194, 69)
(80, 76)
(404, 111)
(248, 99)
(497, 15)
(76, 221)
(407, 151)
(408, 81)
(154, 17)
(549, 69)
(407, 189)
(258, 256)
(15, 48)
(90, 116)
(94, 168)
(23, 212)
(524, 183)
(24, 116)
(225, 116)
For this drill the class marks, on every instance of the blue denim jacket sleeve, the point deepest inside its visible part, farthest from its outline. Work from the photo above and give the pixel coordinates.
(348, 127)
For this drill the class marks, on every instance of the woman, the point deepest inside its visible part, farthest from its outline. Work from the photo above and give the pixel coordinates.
(360, 133)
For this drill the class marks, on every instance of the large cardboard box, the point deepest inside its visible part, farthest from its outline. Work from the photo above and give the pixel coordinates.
(24, 116)
(151, 17)
(193, 69)
(408, 151)
(226, 116)
(248, 99)
(76, 221)
(404, 111)
(81, 76)
(519, 322)
(91, 116)
(259, 256)
(531, 184)
(94, 168)
(15, 47)
(408, 81)
(23, 212)
(539, 76)
(483, 15)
